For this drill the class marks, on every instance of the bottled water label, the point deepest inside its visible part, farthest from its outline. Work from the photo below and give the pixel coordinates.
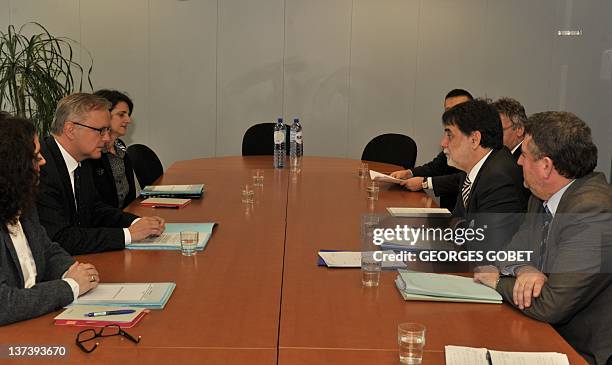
(279, 137)
(298, 138)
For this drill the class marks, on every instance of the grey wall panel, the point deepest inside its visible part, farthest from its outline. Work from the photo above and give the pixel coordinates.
(5, 15)
(517, 51)
(383, 70)
(317, 41)
(117, 36)
(449, 56)
(250, 68)
(182, 95)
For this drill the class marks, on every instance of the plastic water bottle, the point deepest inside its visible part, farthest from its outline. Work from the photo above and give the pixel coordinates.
(297, 142)
(279, 144)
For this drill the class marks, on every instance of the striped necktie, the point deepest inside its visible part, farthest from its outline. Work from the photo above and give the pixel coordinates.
(465, 191)
(547, 218)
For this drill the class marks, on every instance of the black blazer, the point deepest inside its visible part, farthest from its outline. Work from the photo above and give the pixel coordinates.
(497, 189)
(105, 180)
(445, 179)
(49, 292)
(577, 295)
(99, 227)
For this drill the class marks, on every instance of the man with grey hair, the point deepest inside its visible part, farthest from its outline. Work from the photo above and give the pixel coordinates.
(568, 228)
(68, 203)
(513, 117)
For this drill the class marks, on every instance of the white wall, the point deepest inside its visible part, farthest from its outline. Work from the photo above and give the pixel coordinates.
(202, 71)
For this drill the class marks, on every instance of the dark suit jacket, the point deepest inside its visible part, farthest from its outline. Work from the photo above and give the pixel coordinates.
(516, 154)
(49, 292)
(577, 297)
(497, 200)
(99, 226)
(445, 179)
(105, 180)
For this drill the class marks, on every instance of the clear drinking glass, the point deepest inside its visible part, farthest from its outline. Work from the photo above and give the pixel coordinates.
(364, 171)
(411, 341)
(258, 177)
(189, 242)
(248, 194)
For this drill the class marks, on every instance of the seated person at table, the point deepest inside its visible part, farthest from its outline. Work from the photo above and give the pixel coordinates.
(568, 281)
(437, 175)
(68, 204)
(36, 275)
(491, 195)
(112, 173)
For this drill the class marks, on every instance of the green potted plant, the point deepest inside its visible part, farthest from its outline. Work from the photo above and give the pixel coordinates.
(37, 70)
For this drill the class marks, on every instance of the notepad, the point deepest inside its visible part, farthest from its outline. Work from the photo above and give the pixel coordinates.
(419, 212)
(146, 295)
(75, 316)
(346, 259)
(460, 355)
(173, 191)
(171, 238)
(444, 288)
(165, 202)
(378, 176)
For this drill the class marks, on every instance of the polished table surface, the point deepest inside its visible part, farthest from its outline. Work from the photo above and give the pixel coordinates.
(255, 295)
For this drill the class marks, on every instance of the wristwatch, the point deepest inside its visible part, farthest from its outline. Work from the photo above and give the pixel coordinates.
(425, 185)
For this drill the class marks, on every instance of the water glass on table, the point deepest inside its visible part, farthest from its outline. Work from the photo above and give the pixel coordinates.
(370, 269)
(189, 243)
(258, 177)
(247, 193)
(364, 171)
(411, 341)
(373, 190)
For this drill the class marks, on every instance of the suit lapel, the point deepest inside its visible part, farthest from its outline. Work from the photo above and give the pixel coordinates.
(475, 182)
(8, 243)
(62, 170)
(37, 254)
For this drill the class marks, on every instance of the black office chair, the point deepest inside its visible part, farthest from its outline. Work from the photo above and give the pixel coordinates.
(146, 164)
(258, 140)
(392, 148)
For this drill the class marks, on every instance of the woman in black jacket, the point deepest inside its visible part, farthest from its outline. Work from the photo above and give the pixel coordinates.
(113, 173)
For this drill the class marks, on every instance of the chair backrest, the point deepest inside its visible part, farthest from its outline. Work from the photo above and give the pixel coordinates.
(258, 140)
(146, 164)
(392, 148)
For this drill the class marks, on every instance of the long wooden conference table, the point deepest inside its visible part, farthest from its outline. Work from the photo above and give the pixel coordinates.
(255, 294)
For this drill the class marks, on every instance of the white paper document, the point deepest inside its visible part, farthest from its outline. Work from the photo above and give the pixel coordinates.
(353, 259)
(117, 292)
(170, 239)
(178, 188)
(378, 176)
(419, 212)
(460, 355)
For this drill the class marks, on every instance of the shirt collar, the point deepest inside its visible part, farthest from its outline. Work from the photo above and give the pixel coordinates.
(71, 163)
(553, 202)
(474, 171)
(517, 146)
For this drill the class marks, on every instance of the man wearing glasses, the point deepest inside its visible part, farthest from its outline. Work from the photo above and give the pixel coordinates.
(68, 204)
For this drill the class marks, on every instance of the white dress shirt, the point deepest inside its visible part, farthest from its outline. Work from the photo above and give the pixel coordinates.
(26, 260)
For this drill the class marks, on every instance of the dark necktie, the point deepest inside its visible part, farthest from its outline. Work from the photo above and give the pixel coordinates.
(465, 191)
(544, 238)
(77, 185)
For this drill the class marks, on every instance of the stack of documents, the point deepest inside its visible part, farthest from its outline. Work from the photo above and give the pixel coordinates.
(419, 212)
(172, 191)
(165, 202)
(76, 316)
(459, 355)
(378, 176)
(345, 259)
(444, 288)
(171, 238)
(145, 295)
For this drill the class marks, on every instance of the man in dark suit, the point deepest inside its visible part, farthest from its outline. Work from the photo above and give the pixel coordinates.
(567, 282)
(69, 205)
(437, 174)
(492, 184)
(36, 275)
(513, 117)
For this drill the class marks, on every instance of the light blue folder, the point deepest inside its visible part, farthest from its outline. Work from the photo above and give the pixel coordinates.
(155, 296)
(172, 230)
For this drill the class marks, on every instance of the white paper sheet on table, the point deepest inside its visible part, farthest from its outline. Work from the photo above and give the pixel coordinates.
(378, 176)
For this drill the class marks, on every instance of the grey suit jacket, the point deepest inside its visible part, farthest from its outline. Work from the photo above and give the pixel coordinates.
(50, 292)
(577, 298)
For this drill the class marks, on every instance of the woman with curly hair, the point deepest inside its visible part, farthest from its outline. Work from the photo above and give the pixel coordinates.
(36, 275)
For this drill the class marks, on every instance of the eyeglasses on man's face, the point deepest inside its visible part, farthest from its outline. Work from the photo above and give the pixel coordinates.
(84, 339)
(102, 131)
